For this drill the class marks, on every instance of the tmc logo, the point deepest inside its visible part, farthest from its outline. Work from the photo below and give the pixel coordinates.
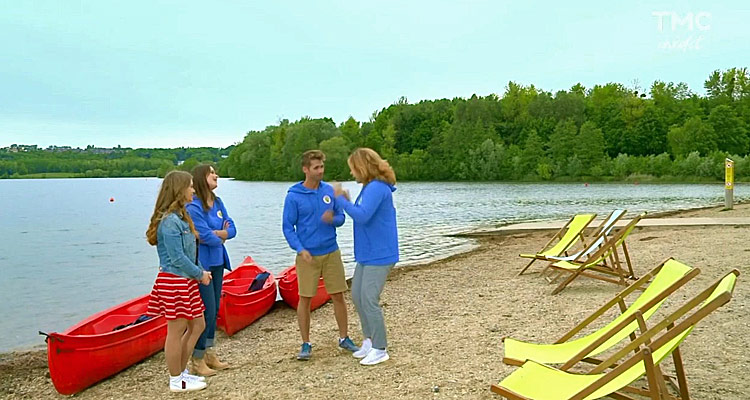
(698, 20)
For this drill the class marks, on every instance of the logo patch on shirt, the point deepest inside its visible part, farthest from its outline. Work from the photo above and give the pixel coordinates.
(218, 214)
(327, 199)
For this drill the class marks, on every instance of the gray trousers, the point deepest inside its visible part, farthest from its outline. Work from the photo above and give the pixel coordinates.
(367, 285)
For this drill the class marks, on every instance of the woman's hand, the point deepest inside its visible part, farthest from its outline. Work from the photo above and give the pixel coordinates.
(341, 192)
(206, 278)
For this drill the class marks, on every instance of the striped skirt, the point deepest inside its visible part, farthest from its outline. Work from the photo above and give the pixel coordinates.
(175, 297)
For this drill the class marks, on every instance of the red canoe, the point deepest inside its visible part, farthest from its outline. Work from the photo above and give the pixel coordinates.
(238, 307)
(289, 289)
(92, 350)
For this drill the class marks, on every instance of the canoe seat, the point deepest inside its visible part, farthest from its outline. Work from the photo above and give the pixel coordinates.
(110, 322)
(237, 286)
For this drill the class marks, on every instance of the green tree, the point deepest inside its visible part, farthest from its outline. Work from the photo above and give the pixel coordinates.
(532, 155)
(412, 166)
(562, 143)
(350, 131)
(694, 135)
(731, 132)
(647, 134)
(589, 147)
(336, 151)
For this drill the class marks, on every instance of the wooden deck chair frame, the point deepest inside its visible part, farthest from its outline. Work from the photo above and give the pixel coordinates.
(564, 247)
(618, 300)
(605, 228)
(670, 331)
(596, 262)
(599, 236)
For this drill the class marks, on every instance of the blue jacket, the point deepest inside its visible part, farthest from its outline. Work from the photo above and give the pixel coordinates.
(302, 222)
(176, 248)
(211, 251)
(375, 233)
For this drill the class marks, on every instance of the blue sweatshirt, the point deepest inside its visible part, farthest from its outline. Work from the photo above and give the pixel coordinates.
(211, 251)
(303, 225)
(375, 233)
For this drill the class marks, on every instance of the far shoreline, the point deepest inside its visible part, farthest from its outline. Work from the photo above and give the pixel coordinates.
(634, 179)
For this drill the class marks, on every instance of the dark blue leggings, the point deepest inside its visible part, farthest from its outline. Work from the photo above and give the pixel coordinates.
(211, 295)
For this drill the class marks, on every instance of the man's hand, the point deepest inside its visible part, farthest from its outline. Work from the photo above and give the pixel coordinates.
(327, 217)
(306, 256)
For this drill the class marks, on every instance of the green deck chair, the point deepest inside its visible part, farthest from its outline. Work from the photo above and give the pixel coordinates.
(566, 237)
(665, 279)
(614, 375)
(604, 264)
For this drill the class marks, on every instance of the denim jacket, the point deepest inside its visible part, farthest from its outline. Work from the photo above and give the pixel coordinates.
(176, 248)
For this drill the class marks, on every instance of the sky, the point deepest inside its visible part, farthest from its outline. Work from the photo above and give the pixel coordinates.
(188, 73)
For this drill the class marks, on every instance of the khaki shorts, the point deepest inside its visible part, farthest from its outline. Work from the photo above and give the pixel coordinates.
(329, 266)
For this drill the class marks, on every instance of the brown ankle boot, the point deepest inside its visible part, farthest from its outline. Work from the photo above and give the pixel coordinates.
(198, 367)
(213, 362)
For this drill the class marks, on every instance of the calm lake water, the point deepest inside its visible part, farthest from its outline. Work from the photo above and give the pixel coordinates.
(67, 251)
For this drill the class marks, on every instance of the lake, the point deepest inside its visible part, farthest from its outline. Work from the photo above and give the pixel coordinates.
(67, 251)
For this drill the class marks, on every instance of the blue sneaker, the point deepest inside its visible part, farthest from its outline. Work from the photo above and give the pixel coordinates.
(347, 344)
(305, 352)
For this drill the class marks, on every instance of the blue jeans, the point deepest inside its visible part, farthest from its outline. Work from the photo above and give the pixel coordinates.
(211, 295)
(367, 285)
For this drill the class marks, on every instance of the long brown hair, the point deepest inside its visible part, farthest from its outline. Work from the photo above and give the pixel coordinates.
(171, 199)
(200, 172)
(369, 166)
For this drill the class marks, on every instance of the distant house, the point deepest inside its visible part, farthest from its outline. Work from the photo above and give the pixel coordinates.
(100, 150)
(15, 148)
(58, 149)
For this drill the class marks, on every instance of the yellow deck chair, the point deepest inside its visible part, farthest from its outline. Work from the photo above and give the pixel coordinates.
(614, 375)
(665, 279)
(604, 264)
(566, 238)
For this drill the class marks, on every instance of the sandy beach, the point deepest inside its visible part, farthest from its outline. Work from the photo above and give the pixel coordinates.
(445, 321)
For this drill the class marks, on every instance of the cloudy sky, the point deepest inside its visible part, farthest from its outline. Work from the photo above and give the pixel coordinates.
(188, 73)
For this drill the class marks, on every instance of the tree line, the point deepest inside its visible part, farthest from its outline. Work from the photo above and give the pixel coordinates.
(117, 162)
(607, 132)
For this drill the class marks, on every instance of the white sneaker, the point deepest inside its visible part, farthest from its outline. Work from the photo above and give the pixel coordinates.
(364, 349)
(375, 356)
(187, 375)
(183, 384)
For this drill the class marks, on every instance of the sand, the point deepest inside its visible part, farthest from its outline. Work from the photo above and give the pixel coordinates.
(445, 321)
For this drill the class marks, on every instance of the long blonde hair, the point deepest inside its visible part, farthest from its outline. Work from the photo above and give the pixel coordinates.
(369, 166)
(171, 199)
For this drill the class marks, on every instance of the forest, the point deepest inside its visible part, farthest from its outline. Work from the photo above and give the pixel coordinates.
(93, 162)
(607, 132)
